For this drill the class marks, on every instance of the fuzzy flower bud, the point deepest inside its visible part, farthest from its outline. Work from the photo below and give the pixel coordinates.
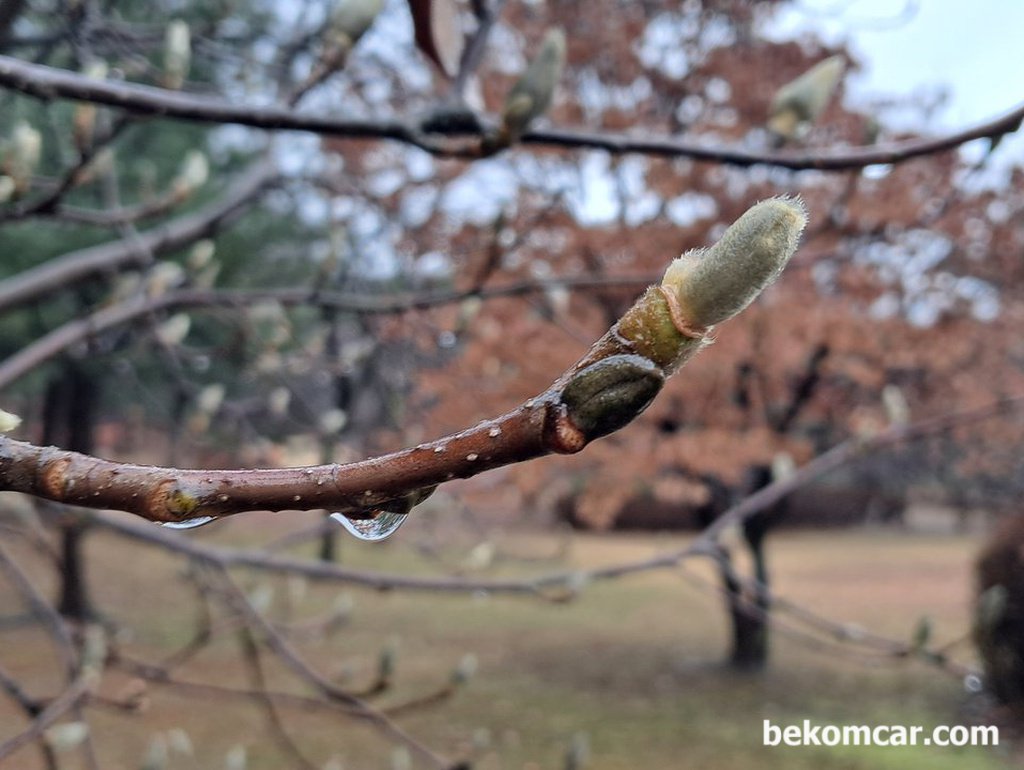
(351, 19)
(466, 669)
(194, 172)
(24, 151)
(8, 421)
(177, 53)
(803, 100)
(83, 122)
(66, 736)
(712, 285)
(896, 406)
(531, 96)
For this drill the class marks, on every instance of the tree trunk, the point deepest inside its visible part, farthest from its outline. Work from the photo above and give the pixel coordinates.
(750, 606)
(748, 613)
(68, 421)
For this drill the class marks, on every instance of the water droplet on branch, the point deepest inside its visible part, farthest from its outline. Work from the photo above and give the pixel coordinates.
(379, 523)
(198, 521)
(380, 527)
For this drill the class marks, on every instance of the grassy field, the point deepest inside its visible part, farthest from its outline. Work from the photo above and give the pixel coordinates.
(634, 664)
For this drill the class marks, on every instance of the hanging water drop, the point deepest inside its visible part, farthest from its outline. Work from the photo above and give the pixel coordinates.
(380, 523)
(380, 527)
(198, 521)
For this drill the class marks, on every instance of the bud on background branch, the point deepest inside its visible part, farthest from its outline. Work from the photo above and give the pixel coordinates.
(177, 54)
(802, 101)
(532, 94)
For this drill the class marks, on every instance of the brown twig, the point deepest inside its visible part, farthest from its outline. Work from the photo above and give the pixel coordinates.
(48, 83)
(32, 708)
(76, 692)
(294, 661)
(42, 609)
(616, 379)
(847, 452)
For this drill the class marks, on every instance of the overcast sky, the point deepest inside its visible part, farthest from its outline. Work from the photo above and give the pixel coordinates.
(972, 48)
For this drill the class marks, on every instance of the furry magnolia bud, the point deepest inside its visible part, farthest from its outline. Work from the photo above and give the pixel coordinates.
(83, 123)
(803, 100)
(610, 393)
(531, 96)
(177, 53)
(351, 19)
(8, 422)
(193, 174)
(711, 285)
(24, 151)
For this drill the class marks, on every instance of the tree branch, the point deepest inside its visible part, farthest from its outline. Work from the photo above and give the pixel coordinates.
(80, 330)
(58, 707)
(60, 272)
(613, 383)
(49, 83)
(705, 544)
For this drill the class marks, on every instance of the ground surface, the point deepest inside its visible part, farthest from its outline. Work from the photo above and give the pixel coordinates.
(634, 664)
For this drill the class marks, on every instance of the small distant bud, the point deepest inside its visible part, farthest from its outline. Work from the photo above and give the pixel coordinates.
(156, 754)
(102, 163)
(896, 406)
(174, 330)
(352, 18)
(164, 276)
(210, 398)
(178, 740)
(94, 653)
(262, 597)
(177, 54)
(67, 736)
(279, 400)
(237, 758)
(201, 254)
(712, 285)
(466, 669)
(480, 557)
(482, 739)
(8, 422)
(401, 759)
(531, 95)
(557, 297)
(83, 122)
(7, 188)
(195, 170)
(333, 421)
(469, 308)
(578, 755)
(269, 362)
(24, 151)
(783, 466)
(991, 607)
(802, 101)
